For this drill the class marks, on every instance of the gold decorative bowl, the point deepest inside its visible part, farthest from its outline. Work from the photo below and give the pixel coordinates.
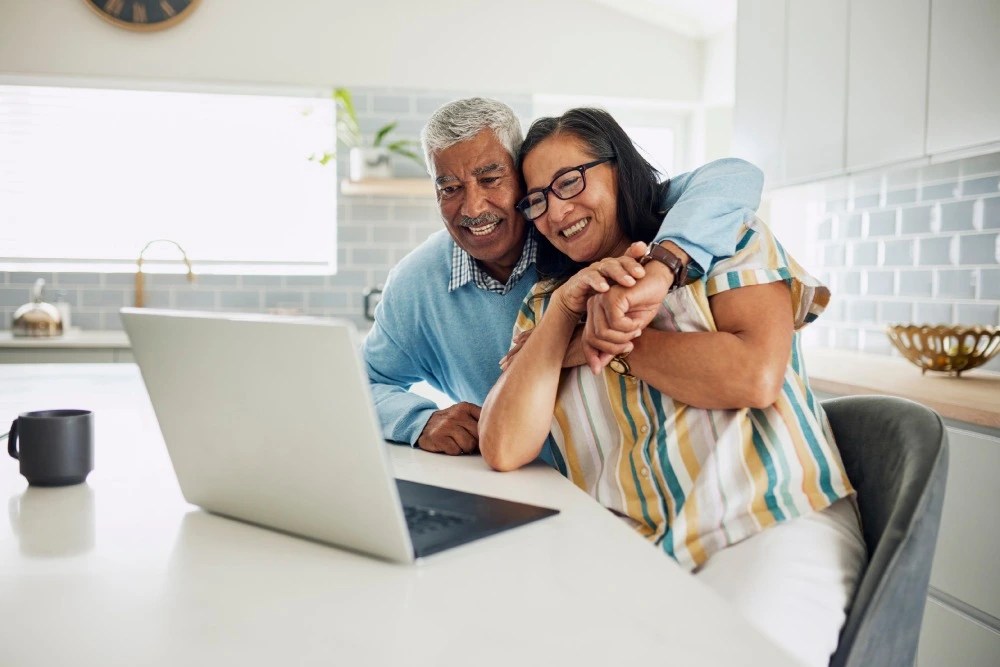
(944, 348)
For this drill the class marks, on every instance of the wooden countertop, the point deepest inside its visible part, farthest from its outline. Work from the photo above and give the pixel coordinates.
(974, 397)
(74, 338)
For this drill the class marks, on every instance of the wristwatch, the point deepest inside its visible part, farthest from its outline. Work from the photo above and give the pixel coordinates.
(619, 365)
(659, 253)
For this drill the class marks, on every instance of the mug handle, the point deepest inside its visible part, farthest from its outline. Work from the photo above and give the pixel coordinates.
(12, 441)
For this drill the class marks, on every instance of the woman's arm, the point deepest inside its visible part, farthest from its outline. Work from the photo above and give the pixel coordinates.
(517, 415)
(740, 365)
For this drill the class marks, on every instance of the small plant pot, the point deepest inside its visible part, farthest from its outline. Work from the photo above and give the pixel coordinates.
(367, 163)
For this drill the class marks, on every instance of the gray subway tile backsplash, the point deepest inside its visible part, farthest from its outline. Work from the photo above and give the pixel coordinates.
(882, 223)
(864, 253)
(981, 186)
(989, 284)
(988, 315)
(937, 229)
(939, 191)
(879, 283)
(897, 253)
(978, 249)
(928, 312)
(957, 216)
(895, 197)
(916, 219)
(934, 251)
(957, 283)
(916, 283)
(895, 312)
(991, 213)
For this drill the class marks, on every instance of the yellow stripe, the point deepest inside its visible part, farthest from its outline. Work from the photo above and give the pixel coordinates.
(570, 447)
(810, 471)
(633, 506)
(685, 447)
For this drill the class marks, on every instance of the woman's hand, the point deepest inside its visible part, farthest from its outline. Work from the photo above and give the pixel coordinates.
(573, 294)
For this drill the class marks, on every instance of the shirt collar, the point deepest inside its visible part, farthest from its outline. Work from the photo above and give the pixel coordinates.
(465, 269)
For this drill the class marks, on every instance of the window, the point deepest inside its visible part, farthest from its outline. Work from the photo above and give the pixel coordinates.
(89, 175)
(660, 130)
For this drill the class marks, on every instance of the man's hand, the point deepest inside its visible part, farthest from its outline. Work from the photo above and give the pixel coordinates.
(453, 430)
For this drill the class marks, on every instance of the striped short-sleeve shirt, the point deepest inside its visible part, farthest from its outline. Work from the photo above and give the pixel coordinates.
(695, 480)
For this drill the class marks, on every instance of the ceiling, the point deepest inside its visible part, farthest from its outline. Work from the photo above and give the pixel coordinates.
(692, 18)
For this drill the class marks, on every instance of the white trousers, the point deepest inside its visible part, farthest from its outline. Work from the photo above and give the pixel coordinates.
(795, 581)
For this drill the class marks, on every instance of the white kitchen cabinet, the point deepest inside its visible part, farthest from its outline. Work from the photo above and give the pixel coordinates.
(758, 113)
(816, 91)
(964, 87)
(951, 638)
(887, 81)
(968, 543)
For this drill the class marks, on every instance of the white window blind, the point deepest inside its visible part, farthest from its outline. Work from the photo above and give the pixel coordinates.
(88, 176)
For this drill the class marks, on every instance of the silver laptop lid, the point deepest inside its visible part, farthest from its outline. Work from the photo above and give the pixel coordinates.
(270, 419)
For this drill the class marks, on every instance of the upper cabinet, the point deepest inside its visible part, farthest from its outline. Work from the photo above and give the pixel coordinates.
(816, 91)
(964, 100)
(825, 88)
(887, 90)
(760, 85)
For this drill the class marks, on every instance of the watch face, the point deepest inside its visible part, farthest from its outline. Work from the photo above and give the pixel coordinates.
(619, 366)
(143, 14)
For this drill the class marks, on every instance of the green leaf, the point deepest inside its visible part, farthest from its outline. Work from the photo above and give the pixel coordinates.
(380, 135)
(401, 147)
(348, 131)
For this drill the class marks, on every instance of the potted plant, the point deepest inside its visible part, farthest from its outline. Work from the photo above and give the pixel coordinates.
(366, 161)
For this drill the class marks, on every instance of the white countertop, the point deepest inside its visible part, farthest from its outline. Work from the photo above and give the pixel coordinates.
(121, 570)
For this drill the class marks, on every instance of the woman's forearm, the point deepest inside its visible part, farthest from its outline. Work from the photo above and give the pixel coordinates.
(517, 415)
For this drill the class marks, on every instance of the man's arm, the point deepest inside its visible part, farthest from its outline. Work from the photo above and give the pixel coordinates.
(404, 416)
(707, 209)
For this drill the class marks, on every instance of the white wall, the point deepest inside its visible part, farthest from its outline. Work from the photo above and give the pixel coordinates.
(556, 46)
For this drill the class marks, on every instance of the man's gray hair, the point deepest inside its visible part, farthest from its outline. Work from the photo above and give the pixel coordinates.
(462, 120)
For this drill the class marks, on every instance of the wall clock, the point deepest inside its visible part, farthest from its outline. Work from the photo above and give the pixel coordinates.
(143, 15)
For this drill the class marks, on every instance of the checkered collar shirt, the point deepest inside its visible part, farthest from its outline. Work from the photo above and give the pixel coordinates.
(465, 269)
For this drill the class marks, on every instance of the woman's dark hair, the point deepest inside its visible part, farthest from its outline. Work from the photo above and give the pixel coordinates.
(639, 190)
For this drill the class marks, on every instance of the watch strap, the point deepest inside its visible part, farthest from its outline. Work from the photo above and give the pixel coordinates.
(659, 253)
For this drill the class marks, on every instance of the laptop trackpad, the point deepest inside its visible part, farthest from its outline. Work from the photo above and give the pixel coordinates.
(441, 518)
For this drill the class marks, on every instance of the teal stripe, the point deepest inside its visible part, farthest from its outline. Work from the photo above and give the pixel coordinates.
(631, 454)
(825, 482)
(759, 417)
(800, 370)
(557, 457)
(660, 492)
(745, 241)
(673, 484)
(733, 278)
(772, 480)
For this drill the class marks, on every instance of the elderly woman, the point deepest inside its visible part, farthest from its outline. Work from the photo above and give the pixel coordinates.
(702, 432)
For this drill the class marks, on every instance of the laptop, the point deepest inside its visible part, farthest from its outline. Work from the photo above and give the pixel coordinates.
(269, 419)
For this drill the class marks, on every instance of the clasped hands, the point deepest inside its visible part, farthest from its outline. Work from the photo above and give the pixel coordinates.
(619, 297)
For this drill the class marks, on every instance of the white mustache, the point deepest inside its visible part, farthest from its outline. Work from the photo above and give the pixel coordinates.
(484, 219)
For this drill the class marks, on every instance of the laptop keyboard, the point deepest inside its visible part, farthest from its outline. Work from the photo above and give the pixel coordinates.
(422, 520)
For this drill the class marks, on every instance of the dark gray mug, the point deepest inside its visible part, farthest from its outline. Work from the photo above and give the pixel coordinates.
(55, 447)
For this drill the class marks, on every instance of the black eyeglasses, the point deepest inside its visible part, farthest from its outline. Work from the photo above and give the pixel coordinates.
(564, 186)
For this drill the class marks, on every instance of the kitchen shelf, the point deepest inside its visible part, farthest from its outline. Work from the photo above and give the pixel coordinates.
(388, 187)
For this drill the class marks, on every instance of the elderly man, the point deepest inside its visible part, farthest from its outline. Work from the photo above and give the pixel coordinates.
(448, 307)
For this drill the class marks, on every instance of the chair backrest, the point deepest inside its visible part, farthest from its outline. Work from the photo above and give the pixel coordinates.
(895, 452)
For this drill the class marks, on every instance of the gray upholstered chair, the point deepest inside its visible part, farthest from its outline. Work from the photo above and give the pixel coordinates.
(896, 455)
